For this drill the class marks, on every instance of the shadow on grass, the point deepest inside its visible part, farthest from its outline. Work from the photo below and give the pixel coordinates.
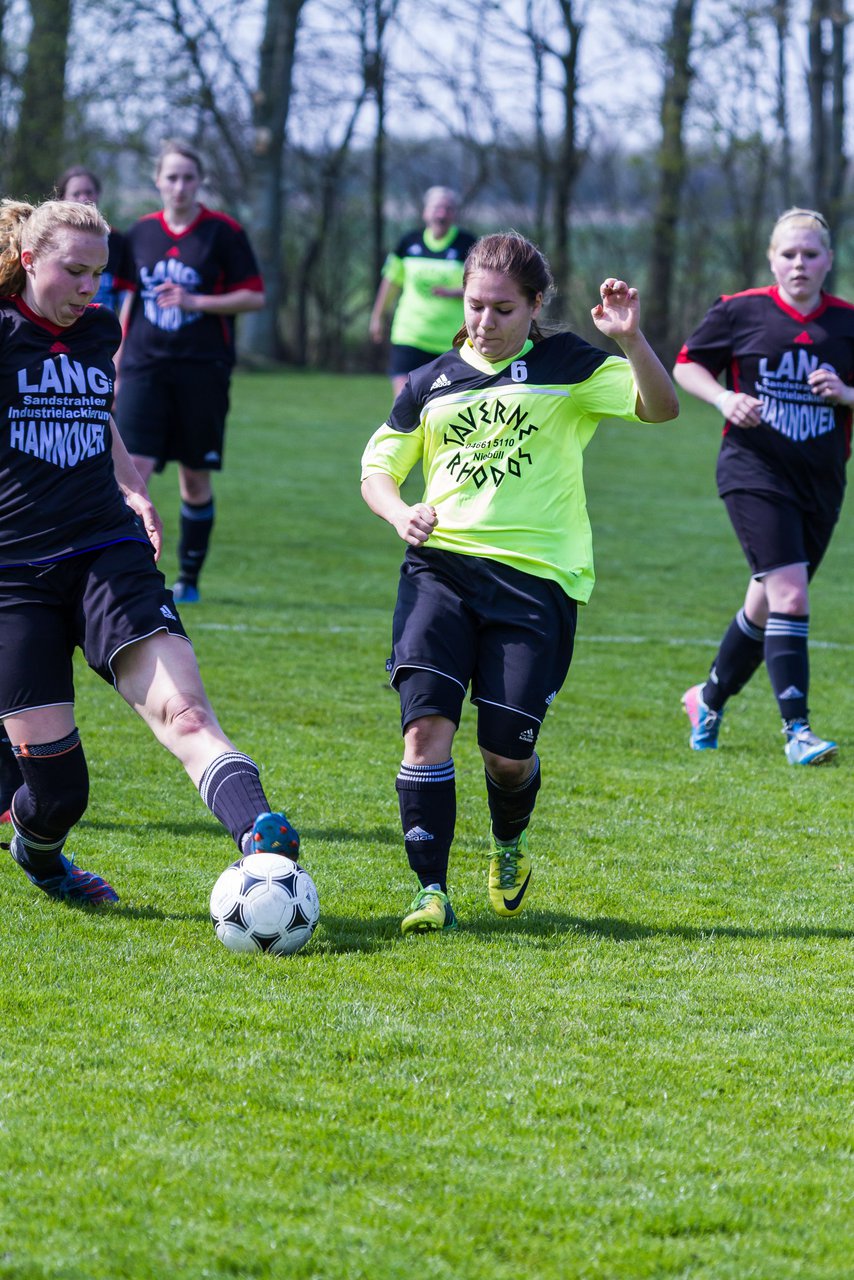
(199, 827)
(155, 913)
(342, 934)
(540, 924)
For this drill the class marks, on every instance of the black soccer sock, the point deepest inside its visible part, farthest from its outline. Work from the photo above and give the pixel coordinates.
(10, 773)
(196, 527)
(427, 794)
(787, 660)
(739, 656)
(231, 789)
(52, 798)
(511, 807)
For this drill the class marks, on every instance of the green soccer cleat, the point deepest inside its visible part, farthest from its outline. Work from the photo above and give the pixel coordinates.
(509, 875)
(429, 912)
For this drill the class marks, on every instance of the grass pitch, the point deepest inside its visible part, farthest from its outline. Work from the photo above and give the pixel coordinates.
(648, 1074)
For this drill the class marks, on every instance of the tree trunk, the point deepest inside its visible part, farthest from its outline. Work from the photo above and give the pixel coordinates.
(38, 149)
(672, 169)
(828, 23)
(781, 20)
(260, 337)
(568, 158)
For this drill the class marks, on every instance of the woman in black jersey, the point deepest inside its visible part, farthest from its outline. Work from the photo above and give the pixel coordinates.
(193, 272)
(78, 542)
(788, 355)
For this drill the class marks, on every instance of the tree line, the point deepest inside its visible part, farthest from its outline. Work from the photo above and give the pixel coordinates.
(657, 140)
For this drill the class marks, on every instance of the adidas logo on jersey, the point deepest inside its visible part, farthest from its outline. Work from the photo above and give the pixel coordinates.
(527, 735)
(803, 337)
(441, 381)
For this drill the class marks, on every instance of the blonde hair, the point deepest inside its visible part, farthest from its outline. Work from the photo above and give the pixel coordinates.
(34, 227)
(795, 218)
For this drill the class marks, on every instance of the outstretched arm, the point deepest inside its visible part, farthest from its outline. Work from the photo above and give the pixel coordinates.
(617, 315)
(413, 524)
(737, 407)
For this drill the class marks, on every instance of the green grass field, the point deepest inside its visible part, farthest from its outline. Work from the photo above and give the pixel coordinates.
(646, 1075)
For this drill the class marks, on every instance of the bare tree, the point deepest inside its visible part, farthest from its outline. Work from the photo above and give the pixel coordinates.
(784, 134)
(37, 153)
(828, 23)
(672, 168)
(271, 104)
(554, 32)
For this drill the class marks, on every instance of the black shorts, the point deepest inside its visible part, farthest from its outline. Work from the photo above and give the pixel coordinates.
(462, 620)
(774, 533)
(176, 413)
(403, 360)
(100, 601)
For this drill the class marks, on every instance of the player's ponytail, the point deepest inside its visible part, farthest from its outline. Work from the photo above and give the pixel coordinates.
(511, 255)
(13, 216)
(34, 227)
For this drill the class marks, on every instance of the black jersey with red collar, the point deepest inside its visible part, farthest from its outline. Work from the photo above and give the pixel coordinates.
(211, 255)
(768, 350)
(58, 491)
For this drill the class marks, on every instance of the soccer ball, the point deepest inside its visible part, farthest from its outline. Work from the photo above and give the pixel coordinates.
(264, 902)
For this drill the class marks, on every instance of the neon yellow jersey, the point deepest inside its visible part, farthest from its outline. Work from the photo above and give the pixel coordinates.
(419, 264)
(501, 450)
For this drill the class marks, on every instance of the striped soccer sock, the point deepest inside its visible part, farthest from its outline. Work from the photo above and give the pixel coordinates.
(196, 527)
(787, 660)
(231, 789)
(427, 795)
(741, 653)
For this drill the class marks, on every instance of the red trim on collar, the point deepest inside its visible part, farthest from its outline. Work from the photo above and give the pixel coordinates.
(28, 314)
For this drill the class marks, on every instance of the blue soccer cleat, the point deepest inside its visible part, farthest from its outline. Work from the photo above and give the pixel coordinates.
(186, 593)
(705, 723)
(272, 833)
(71, 884)
(805, 747)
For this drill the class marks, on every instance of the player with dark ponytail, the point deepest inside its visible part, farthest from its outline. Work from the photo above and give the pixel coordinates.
(499, 547)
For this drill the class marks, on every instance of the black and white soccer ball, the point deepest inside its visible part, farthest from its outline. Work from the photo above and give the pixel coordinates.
(264, 902)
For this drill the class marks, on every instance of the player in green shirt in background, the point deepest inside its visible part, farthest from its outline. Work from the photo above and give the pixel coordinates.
(422, 288)
(499, 547)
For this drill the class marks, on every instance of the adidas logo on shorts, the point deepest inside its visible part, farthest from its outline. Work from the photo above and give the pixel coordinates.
(527, 735)
(167, 612)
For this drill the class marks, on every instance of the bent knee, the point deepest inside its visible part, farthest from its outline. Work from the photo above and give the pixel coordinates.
(506, 772)
(429, 739)
(186, 715)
